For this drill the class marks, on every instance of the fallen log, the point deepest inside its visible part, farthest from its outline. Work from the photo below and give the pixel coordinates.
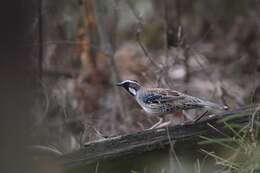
(155, 139)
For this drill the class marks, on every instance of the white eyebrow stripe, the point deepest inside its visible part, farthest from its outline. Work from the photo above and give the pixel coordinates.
(130, 81)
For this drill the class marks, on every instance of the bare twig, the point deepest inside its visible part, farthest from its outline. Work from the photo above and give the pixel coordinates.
(179, 25)
(181, 42)
(172, 152)
(166, 21)
(173, 27)
(197, 166)
(96, 168)
(174, 33)
(162, 69)
(223, 94)
(138, 38)
(134, 12)
(201, 116)
(49, 149)
(140, 24)
(186, 64)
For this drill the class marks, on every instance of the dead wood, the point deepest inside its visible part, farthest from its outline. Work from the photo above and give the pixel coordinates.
(155, 139)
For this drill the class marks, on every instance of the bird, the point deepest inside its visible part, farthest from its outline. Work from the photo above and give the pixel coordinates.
(161, 101)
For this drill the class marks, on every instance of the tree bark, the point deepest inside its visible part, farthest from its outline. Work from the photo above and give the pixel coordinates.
(151, 140)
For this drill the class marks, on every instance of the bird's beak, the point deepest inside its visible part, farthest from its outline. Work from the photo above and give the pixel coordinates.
(119, 84)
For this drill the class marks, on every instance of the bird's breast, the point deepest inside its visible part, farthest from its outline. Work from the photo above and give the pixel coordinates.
(148, 108)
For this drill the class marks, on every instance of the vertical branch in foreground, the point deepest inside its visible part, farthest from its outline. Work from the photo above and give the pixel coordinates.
(106, 13)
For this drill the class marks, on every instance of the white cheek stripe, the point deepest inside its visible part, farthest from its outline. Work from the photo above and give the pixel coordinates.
(132, 91)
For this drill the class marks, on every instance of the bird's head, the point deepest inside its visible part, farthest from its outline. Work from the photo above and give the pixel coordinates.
(130, 86)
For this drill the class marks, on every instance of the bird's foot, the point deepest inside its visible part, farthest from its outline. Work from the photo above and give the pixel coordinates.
(165, 124)
(156, 124)
(160, 124)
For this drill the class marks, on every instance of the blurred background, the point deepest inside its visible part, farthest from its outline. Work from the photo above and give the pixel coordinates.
(68, 55)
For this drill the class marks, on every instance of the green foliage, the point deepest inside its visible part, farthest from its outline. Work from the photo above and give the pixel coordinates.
(240, 151)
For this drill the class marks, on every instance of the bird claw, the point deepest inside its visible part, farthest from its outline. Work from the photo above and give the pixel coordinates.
(156, 124)
(159, 124)
(165, 124)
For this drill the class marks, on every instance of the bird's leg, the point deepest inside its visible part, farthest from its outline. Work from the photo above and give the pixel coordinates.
(164, 124)
(156, 124)
(199, 117)
(187, 116)
(178, 118)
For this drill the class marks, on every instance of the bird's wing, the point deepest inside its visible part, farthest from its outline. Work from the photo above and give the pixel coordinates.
(159, 95)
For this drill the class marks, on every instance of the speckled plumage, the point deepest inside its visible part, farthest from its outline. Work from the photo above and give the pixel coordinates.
(159, 101)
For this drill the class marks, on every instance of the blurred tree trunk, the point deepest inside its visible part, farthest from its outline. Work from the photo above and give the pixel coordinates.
(18, 69)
